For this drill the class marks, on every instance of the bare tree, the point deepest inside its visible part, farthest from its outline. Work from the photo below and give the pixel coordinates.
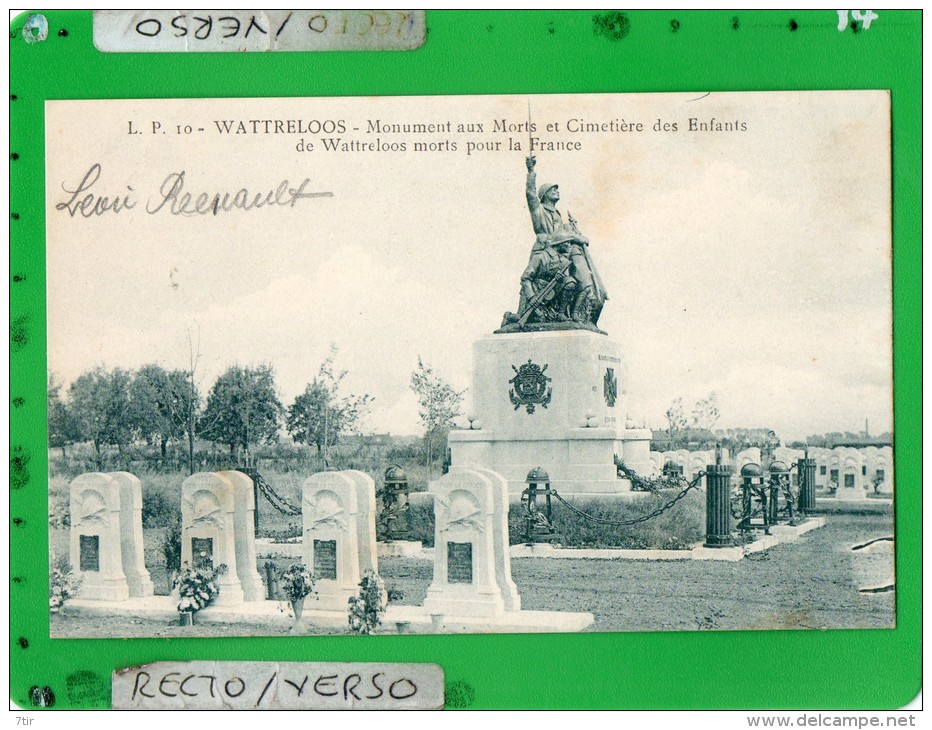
(676, 421)
(439, 402)
(183, 384)
(706, 413)
(321, 414)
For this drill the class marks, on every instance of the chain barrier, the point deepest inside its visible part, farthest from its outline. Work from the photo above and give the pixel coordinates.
(742, 515)
(275, 499)
(694, 484)
(645, 484)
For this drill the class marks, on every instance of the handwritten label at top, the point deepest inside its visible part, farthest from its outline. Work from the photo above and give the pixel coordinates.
(174, 31)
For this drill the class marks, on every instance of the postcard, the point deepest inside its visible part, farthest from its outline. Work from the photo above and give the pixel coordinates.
(530, 363)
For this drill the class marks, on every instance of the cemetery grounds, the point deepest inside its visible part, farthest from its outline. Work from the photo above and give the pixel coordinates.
(807, 584)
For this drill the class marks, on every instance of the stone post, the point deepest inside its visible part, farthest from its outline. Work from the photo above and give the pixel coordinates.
(718, 506)
(807, 482)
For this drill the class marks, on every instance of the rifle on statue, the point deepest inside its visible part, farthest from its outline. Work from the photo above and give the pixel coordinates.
(535, 301)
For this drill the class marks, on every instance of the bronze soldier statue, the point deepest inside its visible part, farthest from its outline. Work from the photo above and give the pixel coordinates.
(556, 239)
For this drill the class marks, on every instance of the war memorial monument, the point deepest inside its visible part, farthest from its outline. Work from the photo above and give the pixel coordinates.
(549, 386)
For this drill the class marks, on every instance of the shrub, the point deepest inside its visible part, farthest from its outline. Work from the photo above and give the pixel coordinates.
(158, 509)
(366, 609)
(62, 585)
(411, 451)
(59, 514)
(421, 521)
(171, 547)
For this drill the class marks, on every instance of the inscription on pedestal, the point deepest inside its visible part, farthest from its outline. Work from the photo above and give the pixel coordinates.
(202, 552)
(459, 562)
(90, 553)
(325, 559)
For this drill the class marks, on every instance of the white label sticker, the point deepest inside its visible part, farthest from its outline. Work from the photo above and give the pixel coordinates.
(205, 685)
(178, 31)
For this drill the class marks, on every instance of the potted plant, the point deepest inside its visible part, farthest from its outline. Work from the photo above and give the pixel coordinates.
(197, 589)
(297, 583)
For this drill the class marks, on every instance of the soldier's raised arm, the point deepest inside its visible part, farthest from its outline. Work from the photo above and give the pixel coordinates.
(533, 202)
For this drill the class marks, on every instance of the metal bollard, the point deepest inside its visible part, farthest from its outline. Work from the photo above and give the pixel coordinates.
(395, 504)
(779, 472)
(807, 477)
(538, 522)
(718, 506)
(752, 481)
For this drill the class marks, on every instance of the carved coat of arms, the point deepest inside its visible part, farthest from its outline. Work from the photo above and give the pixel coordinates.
(610, 388)
(530, 387)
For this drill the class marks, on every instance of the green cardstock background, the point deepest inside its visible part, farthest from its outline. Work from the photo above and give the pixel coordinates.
(487, 52)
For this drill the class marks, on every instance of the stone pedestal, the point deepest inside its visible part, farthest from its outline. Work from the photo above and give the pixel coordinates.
(208, 531)
(96, 538)
(330, 505)
(131, 545)
(557, 400)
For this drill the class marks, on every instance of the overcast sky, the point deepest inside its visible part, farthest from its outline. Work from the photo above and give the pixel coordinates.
(754, 264)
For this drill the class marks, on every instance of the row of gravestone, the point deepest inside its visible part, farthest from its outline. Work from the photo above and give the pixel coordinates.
(472, 570)
(864, 468)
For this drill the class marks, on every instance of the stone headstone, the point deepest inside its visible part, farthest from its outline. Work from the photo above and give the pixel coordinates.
(131, 543)
(96, 550)
(883, 470)
(244, 521)
(698, 461)
(656, 462)
(208, 512)
(787, 455)
(500, 544)
(330, 505)
(471, 561)
(748, 456)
